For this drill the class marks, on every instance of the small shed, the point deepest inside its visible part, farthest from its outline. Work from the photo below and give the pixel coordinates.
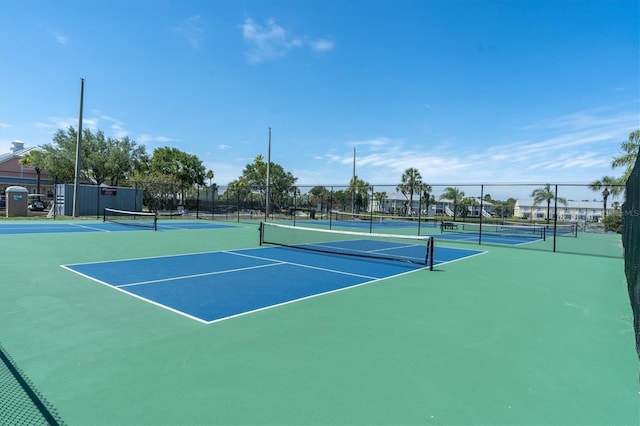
(17, 201)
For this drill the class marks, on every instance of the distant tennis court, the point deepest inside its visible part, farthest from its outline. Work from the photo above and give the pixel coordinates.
(49, 227)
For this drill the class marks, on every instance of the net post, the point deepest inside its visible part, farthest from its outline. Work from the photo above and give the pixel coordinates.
(155, 220)
(429, 255)
(261, 231)
(433, 251)
(104, 215)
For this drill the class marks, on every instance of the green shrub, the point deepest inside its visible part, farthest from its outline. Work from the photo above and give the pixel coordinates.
(613, 222)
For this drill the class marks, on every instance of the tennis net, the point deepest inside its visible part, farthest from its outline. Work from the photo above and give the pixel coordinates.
(385, 221)
(403, 248)
(569, 229)
(532, 231)
(132, 218)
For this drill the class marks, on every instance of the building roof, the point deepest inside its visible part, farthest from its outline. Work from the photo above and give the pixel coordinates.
(17, 150)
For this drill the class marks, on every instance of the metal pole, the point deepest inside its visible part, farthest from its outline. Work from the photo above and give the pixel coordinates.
(76, 182)
(480, 213)
(555, 218)
(371, 211)
(353, 183)
(266, 209)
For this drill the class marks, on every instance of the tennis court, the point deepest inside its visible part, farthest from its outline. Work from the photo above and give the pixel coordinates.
(471, 232)
(14, 227)
(212, 286)
(126, 328)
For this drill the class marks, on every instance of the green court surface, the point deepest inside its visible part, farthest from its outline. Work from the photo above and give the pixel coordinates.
(511, 337)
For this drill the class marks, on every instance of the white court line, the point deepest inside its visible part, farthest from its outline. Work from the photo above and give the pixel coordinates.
(312, 296)
(335, 271)
(88, 227)
(276, 262)
(460, 258)
(204, 274)
(153, 302)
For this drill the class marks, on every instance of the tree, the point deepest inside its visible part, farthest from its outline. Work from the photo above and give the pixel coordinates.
(466, 205)
(319, 195)
(60, 156)
(504, 208)
(238, 190)
(154, 189)
(609, 186)
(455, 196)
(546, 194)
(319, 191)
(185, 169)
(426, 197)
(628, 159)
(411, 183)
(339, 199)
(101, 159)
(282, 182)
(613, 222)
(379, 197)
(36, 160)
(358, 192)
(209, 175)
(122, 158)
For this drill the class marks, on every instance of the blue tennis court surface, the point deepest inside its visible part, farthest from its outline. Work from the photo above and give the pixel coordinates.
(214, 286)
(426, 226)
(96, 226)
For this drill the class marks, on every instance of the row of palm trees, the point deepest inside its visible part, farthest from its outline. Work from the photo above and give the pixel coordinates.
(412, 183)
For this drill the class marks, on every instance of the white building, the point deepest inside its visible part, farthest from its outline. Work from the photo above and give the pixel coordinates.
(573, 211)
(398, 203)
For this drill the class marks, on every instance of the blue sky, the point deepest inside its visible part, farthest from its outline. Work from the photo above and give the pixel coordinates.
(464, 91)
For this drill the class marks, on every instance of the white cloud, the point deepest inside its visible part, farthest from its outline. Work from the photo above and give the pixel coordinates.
(575, 148)
(146, 139)
(60, 38)
(270, 41)
(192, 30)
(321, 45)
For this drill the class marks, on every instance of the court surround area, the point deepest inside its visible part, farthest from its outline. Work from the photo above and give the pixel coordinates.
(198, 324)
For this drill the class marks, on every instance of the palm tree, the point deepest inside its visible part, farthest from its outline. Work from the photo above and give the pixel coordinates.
(411, 183)
(380, 197)
(358, 189)
(425, 195)
(628, 159)
(36, 160)
(546, 194)
(609, 186)
(455, 195)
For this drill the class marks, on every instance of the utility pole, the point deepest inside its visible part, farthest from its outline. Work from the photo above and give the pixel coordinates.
(266, 209)
(76, 181)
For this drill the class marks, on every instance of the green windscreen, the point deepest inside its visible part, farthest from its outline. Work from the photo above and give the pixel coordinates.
(20, 402)
(631, 241)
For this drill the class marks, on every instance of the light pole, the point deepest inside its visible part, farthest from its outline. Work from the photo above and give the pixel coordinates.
(605, 195)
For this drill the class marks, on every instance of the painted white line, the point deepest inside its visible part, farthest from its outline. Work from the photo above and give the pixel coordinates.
(312, 296)
(458, 259)
(184, 314)
(75, 225)
(204, 274)
(308, 266)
